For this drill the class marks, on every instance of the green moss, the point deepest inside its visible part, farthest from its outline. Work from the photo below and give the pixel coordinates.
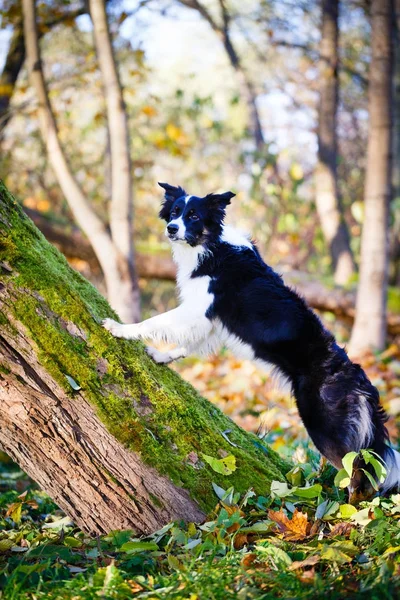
(147, 407)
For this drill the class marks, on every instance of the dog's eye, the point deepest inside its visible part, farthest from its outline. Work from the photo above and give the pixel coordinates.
(192, 216)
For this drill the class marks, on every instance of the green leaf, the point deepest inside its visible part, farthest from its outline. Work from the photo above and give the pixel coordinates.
(377, 464)
(175, 563)
(312, 491)
(134, 547)
(346, 510)
(117, 537)
(342, 479)
(279, 556)
(348, 461)
(223, 466)
(280, 489)
(371, 479)
(218, 490)
(72, 542)
(5, 545)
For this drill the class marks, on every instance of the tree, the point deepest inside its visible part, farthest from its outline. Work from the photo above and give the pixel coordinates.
(369, 329)
(113, 249)
(115, 439)
(327, 195)
(15, 57)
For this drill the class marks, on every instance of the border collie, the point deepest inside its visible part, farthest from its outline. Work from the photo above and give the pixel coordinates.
(230, 297)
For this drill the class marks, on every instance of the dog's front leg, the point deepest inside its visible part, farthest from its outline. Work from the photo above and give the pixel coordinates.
(182, 326)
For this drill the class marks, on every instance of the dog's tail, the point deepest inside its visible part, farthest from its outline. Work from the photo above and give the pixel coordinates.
(392, 464)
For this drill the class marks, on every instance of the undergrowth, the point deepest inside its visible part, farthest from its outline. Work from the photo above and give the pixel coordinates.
(303, 540)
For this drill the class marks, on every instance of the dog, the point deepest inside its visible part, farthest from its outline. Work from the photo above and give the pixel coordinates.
(230, 297)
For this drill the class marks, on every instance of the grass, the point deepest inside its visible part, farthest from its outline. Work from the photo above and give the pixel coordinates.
(301, 541)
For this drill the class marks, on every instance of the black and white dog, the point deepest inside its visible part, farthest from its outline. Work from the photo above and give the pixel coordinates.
(230, 297)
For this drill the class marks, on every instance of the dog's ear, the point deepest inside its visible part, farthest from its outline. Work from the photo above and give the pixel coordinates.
(220, 200)
(172, 193)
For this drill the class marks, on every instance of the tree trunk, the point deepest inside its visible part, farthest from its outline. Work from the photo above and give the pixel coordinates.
(113, 265)
(115, 439)
(369, 329)
(12, 66)
(395, 230)
(121, 206)
(16, 56)
(327, 195)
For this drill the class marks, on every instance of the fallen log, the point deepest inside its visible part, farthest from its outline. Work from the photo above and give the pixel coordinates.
(115, 439)
(152, 266)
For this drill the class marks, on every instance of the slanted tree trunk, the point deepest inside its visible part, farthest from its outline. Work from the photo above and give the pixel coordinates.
(369, 329)
(113, 262)
(327, 194)
(115, 439)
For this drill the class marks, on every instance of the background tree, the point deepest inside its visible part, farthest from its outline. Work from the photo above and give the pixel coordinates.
(327, 192)
(369, 329)
(115, 258)
(15, 58)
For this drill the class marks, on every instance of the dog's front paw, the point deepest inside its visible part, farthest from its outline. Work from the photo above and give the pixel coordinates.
(116, 329)
(162, 358)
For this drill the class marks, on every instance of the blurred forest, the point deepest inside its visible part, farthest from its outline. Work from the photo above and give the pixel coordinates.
(293, 105)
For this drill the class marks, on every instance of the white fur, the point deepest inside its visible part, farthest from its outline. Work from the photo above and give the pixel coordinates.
(364, 425)
(392, 463)
(235, 237)
(182, 229)
(186, 325)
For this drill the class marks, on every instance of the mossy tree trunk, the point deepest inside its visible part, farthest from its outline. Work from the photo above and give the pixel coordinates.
(116, 440)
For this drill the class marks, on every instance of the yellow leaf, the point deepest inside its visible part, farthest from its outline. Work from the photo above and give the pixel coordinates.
(149, 111)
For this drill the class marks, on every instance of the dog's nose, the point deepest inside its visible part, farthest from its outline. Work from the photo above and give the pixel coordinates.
(172, 228)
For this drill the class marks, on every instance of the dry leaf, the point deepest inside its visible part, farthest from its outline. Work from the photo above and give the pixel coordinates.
(249, 559)
(240, 541)
(310, 561)
(342, 529)
(294, 529)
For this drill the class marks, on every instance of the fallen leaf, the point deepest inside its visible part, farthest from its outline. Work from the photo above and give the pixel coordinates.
(240, 541)
(294, 529)
(307, 562)
(343, 529)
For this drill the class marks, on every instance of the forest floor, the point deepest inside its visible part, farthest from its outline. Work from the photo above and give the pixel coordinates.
(302, 541)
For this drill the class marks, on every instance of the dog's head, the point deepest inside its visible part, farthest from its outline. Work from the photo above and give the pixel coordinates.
(193, 219)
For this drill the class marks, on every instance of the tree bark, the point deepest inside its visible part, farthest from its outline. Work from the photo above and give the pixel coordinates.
(121, 206)
(329, 207)
(115, 439)
(369, 329)
(113, 267)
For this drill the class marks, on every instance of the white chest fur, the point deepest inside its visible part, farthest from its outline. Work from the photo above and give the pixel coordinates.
(193, 291)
